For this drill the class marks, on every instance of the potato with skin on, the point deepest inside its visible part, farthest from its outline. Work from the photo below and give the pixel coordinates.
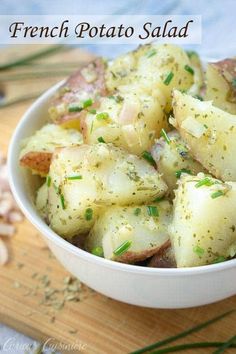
(221, 84)
(87, 178)
(173, 159)
(146, 234)
(131, 120)
(36, 151)
(209, 133)
(203, 228)
(88, 83)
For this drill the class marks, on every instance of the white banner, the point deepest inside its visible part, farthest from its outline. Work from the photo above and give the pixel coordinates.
(112, 29)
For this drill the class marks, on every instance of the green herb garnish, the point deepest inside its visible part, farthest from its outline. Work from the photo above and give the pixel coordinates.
(234, 82)
(168, 78)
(147, 156)
(189, 69)
(204, 182)
(217, 194)
(181, 335)
(117, 98)
(219, 259)
(199, 251)
(137, 211)
(191, 53)
(151, 53)
(88, 214)
(183, 170)
(74, 107)
(71, 178)
(165, 136)
(152, 210)
(101, 140)
(158, 199)
(92, 111)
(87, 103)
(62, 199)
(200, 98)
(98, 251)
(102, 116)
(122, 248)
(48, 180)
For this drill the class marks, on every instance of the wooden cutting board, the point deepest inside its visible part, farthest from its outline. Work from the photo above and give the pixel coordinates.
(99, 324)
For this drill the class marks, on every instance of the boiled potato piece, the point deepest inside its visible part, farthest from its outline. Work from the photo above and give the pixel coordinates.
(131, 121)
(203, 229)
(132, 228)
(173, 158)
(42, 200)
(36, 152)
(78, 93)
(196, 65)
(157, 69)
(85, 179)
(163, 259)
(209, 132)
(221, 84)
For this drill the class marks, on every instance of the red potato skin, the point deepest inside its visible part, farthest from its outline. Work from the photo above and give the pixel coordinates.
(162, 258)
(37, 161)
(133, 257)
(227, 68)
(76, 85)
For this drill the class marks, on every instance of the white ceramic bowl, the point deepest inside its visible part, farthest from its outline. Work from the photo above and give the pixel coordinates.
(151, 287)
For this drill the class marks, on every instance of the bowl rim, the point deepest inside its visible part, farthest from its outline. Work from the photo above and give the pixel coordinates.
(31, 213)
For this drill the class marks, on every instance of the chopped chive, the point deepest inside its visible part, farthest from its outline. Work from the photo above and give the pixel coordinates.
(151, 53)
(101, 140)
(204, 182)
(165, 136)
(219, 259)
(102, 116)
(71, 178)
(62, 199)
(191, 53)
(168, 78)
(122, 248)
(48, 180)
(88, 214)
(189, 69)
(147, 156)
(74, 107)
(182, 334)
(117, 98)
(217, 194)
(234, 82)
(137, 211)
(199, 251)
(198, 97)
(98, 251)
(158, 199)
(183, 170)
(152, 210)
(92, 111)
(87, 103)
(206, 126)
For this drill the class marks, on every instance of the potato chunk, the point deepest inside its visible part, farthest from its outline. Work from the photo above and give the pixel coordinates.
(142, 233)
(36, 152)
(173, 158)
(85, 179)
(85, 84)
(221, 84)
(131, 120)
(203, 228)
(209, 132)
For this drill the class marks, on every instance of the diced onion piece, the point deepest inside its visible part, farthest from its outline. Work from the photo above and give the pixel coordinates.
(128, 113)
(193, 127)
(130, 135)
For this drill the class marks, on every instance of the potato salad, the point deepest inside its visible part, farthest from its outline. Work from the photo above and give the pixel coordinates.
(137, 159)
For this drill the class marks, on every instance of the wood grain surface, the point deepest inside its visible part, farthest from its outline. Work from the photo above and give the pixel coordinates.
(92, 323)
